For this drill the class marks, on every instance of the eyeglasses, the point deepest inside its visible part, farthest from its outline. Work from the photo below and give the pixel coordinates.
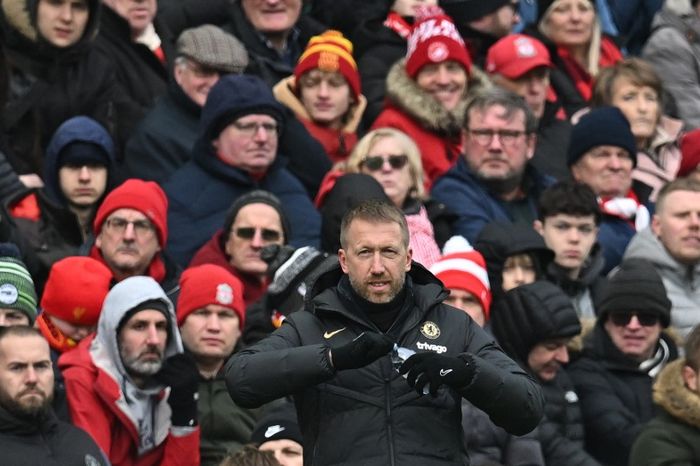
(267, 234)
(251, 129)
(507, 137)
(622, 319)
(376, 162)
(118, 225)
(515, 6)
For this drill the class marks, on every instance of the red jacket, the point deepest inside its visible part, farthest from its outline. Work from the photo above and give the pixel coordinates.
(438, 151)
(96, 404)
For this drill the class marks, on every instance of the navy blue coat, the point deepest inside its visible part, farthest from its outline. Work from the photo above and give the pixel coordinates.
(463, 194)
(201, 192)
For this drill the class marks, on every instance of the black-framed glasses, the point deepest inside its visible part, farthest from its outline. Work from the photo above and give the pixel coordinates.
(484, 137)
(515, 6)
(267, 234)
(251, 129)
(376, 162)
(118, 225)
(622, 319)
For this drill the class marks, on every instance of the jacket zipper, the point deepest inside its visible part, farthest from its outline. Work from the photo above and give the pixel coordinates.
(387, 408)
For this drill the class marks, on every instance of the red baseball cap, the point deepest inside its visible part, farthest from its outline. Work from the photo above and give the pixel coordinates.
(516, 54)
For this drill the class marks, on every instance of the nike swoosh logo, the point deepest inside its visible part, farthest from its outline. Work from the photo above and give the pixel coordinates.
(328, 335)
(444, 372)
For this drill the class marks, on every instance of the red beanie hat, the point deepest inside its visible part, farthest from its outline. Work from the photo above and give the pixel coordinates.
(209, 284)
(464, 268)
(690, 148)
(145, 196)
(434, 39)
(330, 52)
(75, 290)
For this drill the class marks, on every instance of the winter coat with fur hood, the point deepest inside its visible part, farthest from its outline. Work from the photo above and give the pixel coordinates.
(41, 85)
(682, 282)
(673, 437)
(336, 142)
(104, 401)
(434, 129)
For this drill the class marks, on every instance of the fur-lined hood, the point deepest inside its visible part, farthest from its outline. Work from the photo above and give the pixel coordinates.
(673, 396)
(285, 94)
(19, 25)
(404, 93)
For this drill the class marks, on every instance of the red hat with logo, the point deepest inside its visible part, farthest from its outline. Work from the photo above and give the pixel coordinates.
(516, 54)
(76, 289)
(209, 284)
(145, 196)
(434, 39)
(331, 52)
(464, 268)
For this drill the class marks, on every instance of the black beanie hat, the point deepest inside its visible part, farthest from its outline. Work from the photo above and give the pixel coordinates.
(464, 11)
(278, 424)
(258, 196)
(151, 304)
(602, 126)
(81, 153)
(636, 286)
(530, 314)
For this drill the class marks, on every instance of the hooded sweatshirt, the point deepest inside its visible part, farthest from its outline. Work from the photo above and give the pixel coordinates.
(131, 424)
(682, 281)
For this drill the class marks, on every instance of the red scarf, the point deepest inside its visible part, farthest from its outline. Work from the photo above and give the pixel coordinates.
(627, 208)
(57, 340)
(397, 24)
(609, 55)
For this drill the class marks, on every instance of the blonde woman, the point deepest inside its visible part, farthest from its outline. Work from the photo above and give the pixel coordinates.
(571, 31)
(393, 159)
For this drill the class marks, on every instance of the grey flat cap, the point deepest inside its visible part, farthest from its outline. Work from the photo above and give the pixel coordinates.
(210, 46)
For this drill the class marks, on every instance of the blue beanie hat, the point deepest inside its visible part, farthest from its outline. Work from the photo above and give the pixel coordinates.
(234, 96)
(604, 126)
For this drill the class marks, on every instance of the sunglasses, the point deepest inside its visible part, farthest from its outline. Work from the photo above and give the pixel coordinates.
(376, 162)
(266, 233)
(621, 319)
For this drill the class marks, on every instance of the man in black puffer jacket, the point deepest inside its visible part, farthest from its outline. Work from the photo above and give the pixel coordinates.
(534, 323)
(334, 358)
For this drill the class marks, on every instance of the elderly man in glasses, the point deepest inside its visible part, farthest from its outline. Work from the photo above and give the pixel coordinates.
(131, 230)
(236, 153)
(621, 358)
(493, 180)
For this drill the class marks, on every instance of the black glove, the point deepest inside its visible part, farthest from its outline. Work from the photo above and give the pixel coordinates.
(436, 369)
(366, 348)
(180, 373)
(274, 256)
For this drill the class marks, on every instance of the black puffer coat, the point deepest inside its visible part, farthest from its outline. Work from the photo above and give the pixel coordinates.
(48, 442)
(371, 416)
(615, 394)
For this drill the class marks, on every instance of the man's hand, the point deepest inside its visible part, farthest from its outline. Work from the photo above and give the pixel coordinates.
(436, 369)
(366, 348)
(180, 373)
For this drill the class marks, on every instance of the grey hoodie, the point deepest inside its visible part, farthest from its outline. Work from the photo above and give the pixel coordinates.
(143, 406)
(682, 281)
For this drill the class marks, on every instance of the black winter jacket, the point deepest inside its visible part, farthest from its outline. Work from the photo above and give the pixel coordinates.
(371, 416)
(48, 442)
(561, 432)
(615, 394)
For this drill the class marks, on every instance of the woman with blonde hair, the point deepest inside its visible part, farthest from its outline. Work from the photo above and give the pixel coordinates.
(393, 159)
(571, 30)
